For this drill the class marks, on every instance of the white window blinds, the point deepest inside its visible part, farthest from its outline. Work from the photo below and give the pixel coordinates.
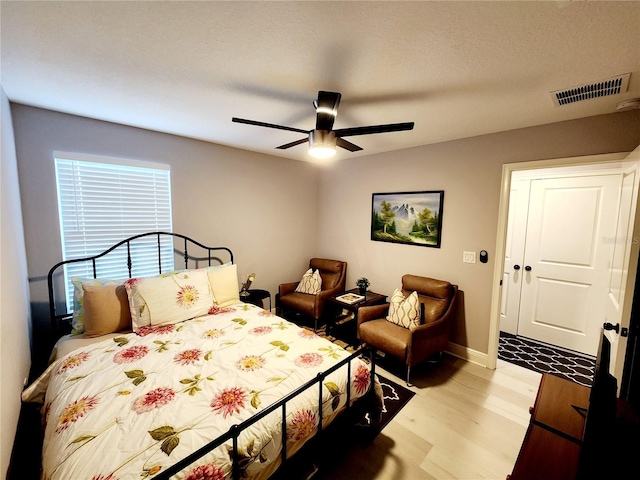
(103, 201)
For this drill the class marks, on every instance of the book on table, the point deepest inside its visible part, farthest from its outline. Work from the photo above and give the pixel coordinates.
(350, 298)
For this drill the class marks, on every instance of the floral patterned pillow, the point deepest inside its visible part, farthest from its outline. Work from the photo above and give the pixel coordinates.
(169, 298)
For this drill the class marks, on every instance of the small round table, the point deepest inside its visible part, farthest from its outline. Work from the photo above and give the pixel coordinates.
(256, 297)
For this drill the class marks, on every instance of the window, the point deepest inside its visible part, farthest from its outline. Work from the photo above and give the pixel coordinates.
(103, 201)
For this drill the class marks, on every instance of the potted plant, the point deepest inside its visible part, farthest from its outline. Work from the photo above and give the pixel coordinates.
(362, 284)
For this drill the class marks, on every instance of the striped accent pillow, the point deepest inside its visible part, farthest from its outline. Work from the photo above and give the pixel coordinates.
(404, 312)
(311, 282)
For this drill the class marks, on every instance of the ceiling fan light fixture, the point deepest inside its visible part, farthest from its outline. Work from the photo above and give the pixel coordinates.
(322, 144)
(323, 140)
(327, 111)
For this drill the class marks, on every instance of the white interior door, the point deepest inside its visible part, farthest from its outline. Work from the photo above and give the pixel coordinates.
(514, 255)
(567, 258)
(624, 263)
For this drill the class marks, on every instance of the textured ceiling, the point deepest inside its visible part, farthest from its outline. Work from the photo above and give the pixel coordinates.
(457, 69)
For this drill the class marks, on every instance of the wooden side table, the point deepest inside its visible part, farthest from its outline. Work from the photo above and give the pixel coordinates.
(256, 297)
(336, 307)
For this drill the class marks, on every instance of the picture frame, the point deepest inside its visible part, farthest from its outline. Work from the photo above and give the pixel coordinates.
(410, 218)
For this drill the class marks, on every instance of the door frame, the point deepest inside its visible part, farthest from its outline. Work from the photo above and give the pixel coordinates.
(503, 215)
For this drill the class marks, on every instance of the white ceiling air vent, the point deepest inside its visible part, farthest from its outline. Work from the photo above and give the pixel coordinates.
(611, 86)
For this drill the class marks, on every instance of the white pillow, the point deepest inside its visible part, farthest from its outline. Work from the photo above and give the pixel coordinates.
(169, 298)
(404, 312)
(311, 282)
(224, 283)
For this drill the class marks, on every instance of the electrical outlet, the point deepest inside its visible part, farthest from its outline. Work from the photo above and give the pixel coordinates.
(469, 257)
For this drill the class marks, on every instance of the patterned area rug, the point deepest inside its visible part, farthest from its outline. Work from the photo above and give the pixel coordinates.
(360, 428)
(545, 358)
(395, 398)
(321, 331)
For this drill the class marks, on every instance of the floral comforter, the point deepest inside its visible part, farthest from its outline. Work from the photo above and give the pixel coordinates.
(129, 407)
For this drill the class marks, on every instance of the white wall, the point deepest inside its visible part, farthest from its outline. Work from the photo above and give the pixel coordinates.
(469, 171)
(15, 354)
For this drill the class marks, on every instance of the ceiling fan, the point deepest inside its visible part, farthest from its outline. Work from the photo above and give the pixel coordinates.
(322, 139)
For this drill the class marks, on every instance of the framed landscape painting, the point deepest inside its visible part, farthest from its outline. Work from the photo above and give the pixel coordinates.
(413, 218)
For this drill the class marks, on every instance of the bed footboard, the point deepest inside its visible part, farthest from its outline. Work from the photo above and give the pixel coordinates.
(234, 432)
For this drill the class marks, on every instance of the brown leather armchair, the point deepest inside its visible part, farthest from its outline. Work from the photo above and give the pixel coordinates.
(333, 274)
(439, 302)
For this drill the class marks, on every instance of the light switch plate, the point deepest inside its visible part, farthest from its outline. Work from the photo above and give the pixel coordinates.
(469, 257)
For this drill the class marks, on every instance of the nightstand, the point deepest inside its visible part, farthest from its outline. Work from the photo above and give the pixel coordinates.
(256, 297)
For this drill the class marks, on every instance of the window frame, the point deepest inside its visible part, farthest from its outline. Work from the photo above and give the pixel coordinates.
(81, 193)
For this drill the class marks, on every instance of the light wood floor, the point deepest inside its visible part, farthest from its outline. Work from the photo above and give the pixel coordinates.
(465, 422)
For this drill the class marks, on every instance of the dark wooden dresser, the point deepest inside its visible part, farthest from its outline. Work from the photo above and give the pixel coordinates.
(555, 447)
(551, 447)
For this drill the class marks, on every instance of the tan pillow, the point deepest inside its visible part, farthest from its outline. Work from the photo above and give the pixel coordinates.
(404, 312)
(106, 309)
(224, 283)
(78, 299)
(311, 282)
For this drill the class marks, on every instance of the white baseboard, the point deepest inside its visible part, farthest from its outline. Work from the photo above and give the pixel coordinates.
(468, 354)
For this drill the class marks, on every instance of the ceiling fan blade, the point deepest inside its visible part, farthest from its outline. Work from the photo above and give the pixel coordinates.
(293, 144)
(347, 145)
(326, 109)
(268, 125)
(391, 127)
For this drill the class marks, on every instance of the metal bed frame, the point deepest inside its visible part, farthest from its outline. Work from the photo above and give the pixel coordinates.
(235, 430)
(56, 318)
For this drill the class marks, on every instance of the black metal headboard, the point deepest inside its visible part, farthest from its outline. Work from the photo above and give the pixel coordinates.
(205, 254)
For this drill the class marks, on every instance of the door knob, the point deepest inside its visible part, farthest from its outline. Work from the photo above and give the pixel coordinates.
(610, 326)
(516, 267)
(527, 268)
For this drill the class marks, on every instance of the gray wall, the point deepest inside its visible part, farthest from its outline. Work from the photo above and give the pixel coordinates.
(264, 208)
(276, 213)
(15, 353)
(469, 171)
